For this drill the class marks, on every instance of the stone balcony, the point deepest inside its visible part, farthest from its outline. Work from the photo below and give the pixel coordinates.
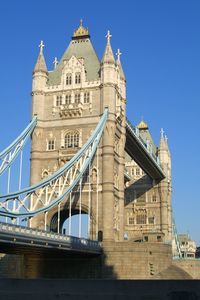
(71, 110)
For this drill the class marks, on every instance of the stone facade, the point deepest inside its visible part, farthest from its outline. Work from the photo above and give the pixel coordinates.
(68, 102)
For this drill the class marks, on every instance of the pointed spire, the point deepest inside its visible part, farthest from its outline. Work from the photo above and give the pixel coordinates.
(163, 141)
(108, 56)
(41, 64)
(119, 64)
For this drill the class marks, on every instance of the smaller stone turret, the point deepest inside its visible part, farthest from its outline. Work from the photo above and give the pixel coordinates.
(40, 77)
(165, 188)
(120, 75)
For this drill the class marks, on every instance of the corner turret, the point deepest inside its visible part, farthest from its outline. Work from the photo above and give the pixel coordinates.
(39, 82)
(165, 188)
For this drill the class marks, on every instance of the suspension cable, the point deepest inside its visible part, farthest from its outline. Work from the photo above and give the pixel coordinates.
(89, 198)
(97, 187)
(80, 208)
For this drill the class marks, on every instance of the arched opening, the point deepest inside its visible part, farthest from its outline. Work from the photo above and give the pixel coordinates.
(74, 225)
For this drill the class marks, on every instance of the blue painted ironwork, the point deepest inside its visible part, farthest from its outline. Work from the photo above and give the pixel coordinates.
(175, 237)
(25, 236)
(134, 131)
(35, 193)
(8, 155)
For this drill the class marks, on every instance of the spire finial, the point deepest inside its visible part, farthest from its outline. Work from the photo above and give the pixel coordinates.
(41, 46)
(81, 31)
(55, 62)
(166, 138)
(162, 133)
(118, 54)
(108, 36)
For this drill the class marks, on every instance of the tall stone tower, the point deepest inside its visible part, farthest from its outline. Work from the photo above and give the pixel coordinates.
(130, 212)
(148, 213)
(69, 101)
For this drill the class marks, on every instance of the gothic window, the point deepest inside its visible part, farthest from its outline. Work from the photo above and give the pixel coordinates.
(45, 174)
(51, 145)
(77, 98)
(68, 79)
(68, 99)
(141, 219)
(132, 171)
(137, 171)
(154, 198)
(131, 220)
(94, 175)
(59, 100)
(77, 78)
(72, 139)
(87, 97)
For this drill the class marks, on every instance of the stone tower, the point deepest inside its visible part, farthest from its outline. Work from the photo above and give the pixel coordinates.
(148, 202)
(69, 101)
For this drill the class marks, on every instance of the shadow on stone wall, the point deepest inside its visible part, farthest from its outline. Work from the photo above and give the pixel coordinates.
(142, 185)
(70, 266)
(11, 266)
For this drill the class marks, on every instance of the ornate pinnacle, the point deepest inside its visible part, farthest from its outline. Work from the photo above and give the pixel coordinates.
(108, 36)
(41, 46)
(55, 62)
(118, 54)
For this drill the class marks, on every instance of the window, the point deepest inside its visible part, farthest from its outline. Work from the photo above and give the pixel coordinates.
(132, 172)
(141, 219)
(137, 171)
(151, 220)
(77, 98)
(68, 79)
(68, 99)
(131, 221)
(51, 145)
(154, 198)
(77, 78)
(59, 100)
(146, 238)
(72, 140)
(87, 97)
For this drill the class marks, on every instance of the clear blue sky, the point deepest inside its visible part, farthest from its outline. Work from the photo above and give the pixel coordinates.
(160, 45)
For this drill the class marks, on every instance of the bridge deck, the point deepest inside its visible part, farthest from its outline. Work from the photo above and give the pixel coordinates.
(138, 151)
(18, 239)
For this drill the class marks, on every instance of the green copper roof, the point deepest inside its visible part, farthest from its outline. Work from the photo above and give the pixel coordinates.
(81, 48)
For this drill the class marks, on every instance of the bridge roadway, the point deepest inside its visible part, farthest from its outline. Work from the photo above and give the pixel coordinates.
(137, 149)
(16, 239)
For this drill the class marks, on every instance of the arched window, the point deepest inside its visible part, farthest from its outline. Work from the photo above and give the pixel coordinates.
(77, 98)
(137, 171)
(72, 139)
(59, 100)
(68, 99)
(141, 219)
(86, 97)
(51, 145)
(77, 78)
(68, 79)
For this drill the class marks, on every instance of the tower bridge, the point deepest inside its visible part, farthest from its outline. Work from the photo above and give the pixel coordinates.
(87, 158)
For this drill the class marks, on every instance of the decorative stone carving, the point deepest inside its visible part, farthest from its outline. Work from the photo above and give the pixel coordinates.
(71, 110)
